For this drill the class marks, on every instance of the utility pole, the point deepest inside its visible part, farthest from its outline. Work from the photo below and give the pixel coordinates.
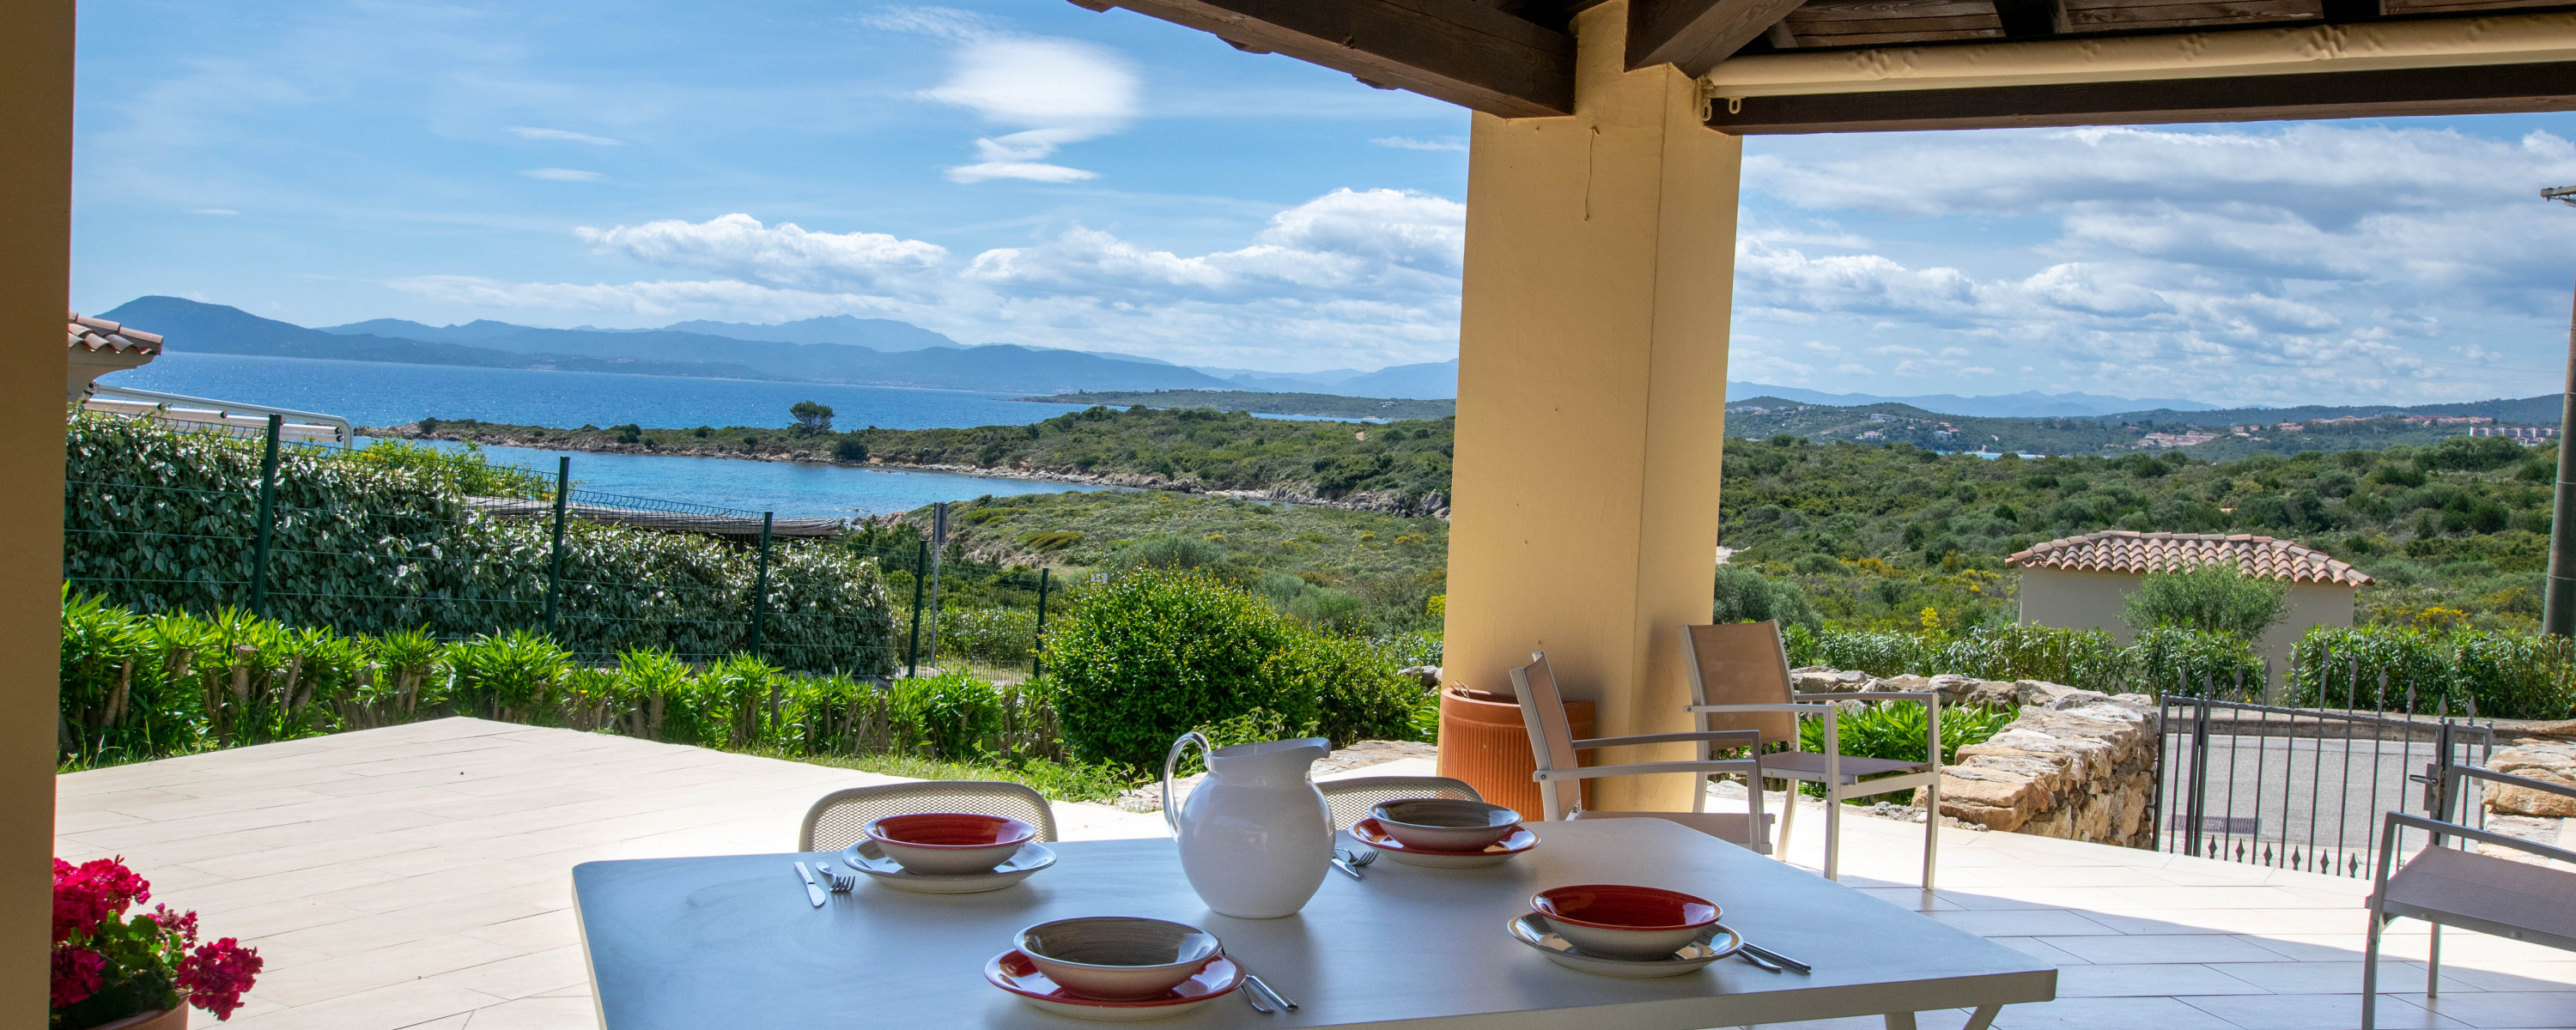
(2558, 608)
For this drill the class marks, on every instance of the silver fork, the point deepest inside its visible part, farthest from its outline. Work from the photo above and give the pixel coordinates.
(841, 881)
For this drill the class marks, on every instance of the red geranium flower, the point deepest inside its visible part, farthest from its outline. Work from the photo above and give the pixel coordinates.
(76, 975)
(215, 975)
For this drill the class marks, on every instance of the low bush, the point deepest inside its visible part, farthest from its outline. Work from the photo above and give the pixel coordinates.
(2495, 674)
(1896, 730)
(1159, 651)
(2083, 658)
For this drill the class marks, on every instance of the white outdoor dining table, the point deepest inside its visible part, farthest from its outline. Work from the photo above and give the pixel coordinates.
(731, 941)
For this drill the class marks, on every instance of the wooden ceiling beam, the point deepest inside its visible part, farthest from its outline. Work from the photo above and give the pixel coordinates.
(1695, 35)
(2386, 93)
(1460, 51)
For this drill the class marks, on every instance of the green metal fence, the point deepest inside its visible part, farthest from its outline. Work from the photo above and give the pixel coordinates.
(393, 538)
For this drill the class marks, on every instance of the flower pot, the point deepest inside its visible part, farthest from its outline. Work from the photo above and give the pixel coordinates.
(159, 1019)
(1484, 742)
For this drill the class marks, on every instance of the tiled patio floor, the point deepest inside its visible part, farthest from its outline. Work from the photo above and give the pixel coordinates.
(418, 876)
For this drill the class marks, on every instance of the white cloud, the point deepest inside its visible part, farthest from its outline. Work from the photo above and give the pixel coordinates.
(1059, 91)
(562, 175)
(563, 135)
(1409, 143)
(784, 255)
(1354, 278)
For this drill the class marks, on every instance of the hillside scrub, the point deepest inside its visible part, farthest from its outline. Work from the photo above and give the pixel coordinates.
(382, 540)
(2208, 598)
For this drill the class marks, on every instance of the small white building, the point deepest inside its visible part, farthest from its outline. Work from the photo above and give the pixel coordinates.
(2081, 582)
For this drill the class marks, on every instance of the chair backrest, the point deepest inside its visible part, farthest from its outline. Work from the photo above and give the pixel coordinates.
(1741, 663)
(1551, 736)
(841, 818)
(1350, 799)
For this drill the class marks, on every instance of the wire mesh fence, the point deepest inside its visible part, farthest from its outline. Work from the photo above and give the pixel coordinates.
(394, 538)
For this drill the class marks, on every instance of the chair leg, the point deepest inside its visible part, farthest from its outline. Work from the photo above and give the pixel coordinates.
(2433, 964)
(1931, 830)
(1788, 816)
(1833, 831)
(2370, 973)
(1900, 1021)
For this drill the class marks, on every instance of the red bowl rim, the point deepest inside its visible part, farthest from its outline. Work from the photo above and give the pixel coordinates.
(1007, 831)
(1545, 905)
(1002, 965)
(1373, 833)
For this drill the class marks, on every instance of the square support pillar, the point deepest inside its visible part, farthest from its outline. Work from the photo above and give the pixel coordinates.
(1591, 398)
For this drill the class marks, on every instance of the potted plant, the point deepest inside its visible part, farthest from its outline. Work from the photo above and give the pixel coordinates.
(112, 972)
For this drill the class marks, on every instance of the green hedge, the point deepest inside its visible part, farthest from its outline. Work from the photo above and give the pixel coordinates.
(381, 540)
(2499, 675)
(2158, 661)
(1157, 652)
(142, 686)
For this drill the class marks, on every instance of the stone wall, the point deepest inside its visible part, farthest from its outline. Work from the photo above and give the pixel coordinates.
(2076, 764)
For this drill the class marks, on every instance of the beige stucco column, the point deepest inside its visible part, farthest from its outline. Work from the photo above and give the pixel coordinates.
(35, 284)
(1591, 396)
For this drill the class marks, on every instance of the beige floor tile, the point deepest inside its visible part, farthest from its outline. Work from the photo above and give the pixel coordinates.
(2039, 948)
(2164, 948)
(2556, 1009)
(526, 976)
(2395, 977)
(2316, 1012)
(2044, 922)
(303, 985)
(2494, 975)
(2160, 979)
(400, 1005)
(2109, 1014)
(536, 1014)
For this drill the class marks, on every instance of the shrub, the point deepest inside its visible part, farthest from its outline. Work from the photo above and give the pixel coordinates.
(1158, 651)
(954, 711)
(2174, 659)
(1358, 691)
(1896, 730)
(2212, 598)
(1744, 595)
(2501, 675)
(509, 675)
(850, 448)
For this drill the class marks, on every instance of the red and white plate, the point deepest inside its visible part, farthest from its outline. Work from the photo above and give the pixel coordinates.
(1012, 971)
(1368, 832)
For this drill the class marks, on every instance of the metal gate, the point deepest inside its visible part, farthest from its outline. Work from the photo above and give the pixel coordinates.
(2299, 788)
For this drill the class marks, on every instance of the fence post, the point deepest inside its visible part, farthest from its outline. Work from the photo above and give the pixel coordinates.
(2199, 775)
(920, 571)
(267, 520)
(938, 543)
(1037, 661)
(760, 588)
(554, 560)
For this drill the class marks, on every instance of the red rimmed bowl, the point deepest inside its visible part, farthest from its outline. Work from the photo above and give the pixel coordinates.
(1015, 972)
(1619, 921)
(1445, 824)
(950, 844)
(1118, 958)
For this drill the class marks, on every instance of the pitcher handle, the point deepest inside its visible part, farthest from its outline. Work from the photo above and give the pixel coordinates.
(1171, 760)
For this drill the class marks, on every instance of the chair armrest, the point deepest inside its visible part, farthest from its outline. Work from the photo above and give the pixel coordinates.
(2397, 819)
(1804, 709)
(1742, 765)
(2511, 780)
(1738, 738)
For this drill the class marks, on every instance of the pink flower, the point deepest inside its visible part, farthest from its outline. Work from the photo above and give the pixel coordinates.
(76, 974)
(182, 925)
(90, 893)
(215, 975)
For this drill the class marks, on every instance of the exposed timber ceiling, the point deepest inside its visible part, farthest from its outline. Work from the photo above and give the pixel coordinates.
(1783, 66)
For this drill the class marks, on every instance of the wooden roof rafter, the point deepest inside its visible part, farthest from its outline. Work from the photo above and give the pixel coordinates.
(1515, 58)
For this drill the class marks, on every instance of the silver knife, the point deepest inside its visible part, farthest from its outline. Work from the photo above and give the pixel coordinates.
(813, 891)
(1346, 869)
(1779, 958)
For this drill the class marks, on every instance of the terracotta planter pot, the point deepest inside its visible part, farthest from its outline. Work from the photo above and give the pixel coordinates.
(165, 1019)
(1484, 742)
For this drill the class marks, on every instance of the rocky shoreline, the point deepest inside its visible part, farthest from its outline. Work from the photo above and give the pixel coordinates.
(1294, 492)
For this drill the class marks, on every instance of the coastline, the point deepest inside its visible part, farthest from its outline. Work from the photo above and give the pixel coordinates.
(1284, 493)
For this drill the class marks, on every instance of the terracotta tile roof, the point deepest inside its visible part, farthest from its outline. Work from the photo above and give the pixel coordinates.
(2124, 550)
(99, 334)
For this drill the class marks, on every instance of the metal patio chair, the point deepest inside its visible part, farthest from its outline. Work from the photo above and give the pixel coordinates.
(1739, 679)
(841, 817)
(2453, 886)
(1350, 799)
(1560, 775)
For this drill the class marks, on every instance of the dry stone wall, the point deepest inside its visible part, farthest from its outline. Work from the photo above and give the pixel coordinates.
(2076, 764)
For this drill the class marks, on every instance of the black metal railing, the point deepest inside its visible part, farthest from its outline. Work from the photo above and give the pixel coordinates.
(2301, 788)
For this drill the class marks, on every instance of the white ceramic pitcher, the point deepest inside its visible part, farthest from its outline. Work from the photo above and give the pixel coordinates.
(1256, 838)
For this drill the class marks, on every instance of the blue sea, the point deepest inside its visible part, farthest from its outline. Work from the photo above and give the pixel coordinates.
(381, 394)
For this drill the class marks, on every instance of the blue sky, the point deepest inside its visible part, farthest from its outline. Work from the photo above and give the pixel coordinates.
(1032, 172)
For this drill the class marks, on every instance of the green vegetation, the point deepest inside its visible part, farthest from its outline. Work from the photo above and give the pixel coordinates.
(1896, 730)
(2163, 659)
(1324, 405)
(2508, 675)
(1876, 536)
(2371, 428)
(1160, 651)
(2208, 598)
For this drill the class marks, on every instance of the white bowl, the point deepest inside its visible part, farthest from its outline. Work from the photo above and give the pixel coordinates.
(950, 844)
(1445, 824)
(1118, 958)
(1623, 921)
